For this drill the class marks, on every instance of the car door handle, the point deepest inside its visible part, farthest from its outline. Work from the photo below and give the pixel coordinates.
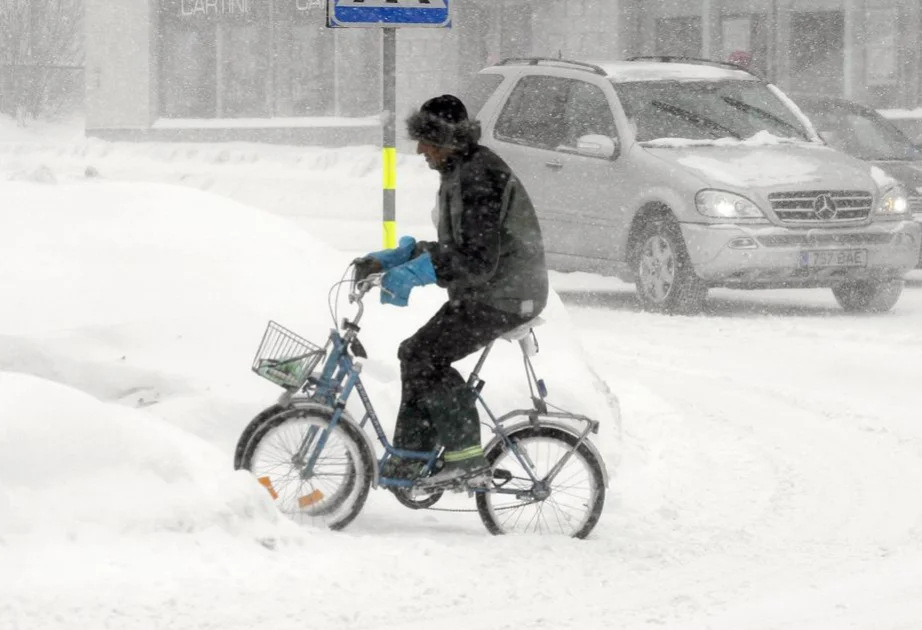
(554, 164)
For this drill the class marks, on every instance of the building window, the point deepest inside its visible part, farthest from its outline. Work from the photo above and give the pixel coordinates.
(744, 40)
(303, 73)
(817, 50)
(881, 36)
(245, 59)
(188, 71)
(679, 36)
(243, 82)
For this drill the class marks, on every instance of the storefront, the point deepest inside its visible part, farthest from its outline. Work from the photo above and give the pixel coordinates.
(226, 69)
(220, 69)
(867, 50)
(271, 69)
(253, 59)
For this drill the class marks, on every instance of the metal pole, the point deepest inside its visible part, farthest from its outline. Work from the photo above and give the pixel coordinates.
(707, 30)
(850, 52)
(389, 153)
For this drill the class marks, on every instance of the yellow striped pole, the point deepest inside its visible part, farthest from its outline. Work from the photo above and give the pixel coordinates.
(389, 161)
(389, 154)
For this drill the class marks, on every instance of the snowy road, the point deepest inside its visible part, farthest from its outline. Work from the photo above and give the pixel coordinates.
(769, 480)
(776, 445)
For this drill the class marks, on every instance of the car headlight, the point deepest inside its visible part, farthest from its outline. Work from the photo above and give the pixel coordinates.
(893, 203)
(724, 205)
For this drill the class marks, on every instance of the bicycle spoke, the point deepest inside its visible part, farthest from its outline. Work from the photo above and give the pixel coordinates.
(317, 497)
(572, 492)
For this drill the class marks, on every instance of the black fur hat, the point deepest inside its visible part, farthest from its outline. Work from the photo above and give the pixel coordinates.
(442, 121)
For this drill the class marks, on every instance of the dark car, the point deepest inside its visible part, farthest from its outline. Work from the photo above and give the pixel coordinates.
(862, 132)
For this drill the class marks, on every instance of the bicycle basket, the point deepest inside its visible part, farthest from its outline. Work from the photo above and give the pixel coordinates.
(285, 358)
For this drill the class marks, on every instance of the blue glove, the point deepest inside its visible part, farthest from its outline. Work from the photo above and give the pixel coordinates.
(390, 258)
(399, 281)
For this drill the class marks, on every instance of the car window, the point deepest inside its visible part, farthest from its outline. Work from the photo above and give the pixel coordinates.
(554, 112)
(706, 110)
(534, 113)
(863, 136)
(587, 112)
(478, 91)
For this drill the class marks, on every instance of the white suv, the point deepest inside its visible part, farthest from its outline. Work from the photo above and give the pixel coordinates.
(680, 175)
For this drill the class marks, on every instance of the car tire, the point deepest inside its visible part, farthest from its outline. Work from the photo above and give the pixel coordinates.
(665, 278)
(868, 296)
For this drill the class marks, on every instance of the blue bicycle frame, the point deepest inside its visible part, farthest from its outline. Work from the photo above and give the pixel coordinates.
(335, 384)
(340, 376)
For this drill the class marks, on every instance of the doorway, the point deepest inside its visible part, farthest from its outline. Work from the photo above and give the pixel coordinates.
(818, 53)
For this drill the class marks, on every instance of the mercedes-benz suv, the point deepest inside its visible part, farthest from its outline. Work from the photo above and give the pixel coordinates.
(680, 175)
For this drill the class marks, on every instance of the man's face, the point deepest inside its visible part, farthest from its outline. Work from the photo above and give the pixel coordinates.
(435, 156)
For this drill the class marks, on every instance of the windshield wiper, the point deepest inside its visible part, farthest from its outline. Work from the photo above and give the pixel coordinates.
(694, 118)
(893, 158)
(758, 111)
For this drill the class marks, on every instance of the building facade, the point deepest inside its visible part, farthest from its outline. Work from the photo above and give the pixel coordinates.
(272, 70)
(866, 50)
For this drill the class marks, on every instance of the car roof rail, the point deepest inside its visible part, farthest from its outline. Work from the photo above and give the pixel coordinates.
(534, 61)
(695, 60)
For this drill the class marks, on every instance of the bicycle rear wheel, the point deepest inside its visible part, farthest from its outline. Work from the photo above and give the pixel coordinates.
(569, 505)
(335, 491)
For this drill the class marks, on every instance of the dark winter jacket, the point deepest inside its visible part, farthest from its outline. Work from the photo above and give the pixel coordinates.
(490, 248)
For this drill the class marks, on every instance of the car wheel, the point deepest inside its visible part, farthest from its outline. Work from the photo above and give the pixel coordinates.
(868, 296)
(665, 278)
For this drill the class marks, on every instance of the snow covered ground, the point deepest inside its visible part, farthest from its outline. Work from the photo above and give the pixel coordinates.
(763, 460)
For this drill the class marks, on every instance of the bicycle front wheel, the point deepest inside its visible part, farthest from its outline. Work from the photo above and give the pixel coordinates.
(334, 491)
(570, 504)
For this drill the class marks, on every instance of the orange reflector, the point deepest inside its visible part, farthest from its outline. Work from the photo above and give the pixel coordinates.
(310, 499)
(267, 483)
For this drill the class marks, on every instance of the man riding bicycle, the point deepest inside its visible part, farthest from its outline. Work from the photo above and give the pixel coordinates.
(490, 258)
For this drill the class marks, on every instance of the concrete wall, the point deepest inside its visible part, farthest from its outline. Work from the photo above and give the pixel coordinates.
(120, 83)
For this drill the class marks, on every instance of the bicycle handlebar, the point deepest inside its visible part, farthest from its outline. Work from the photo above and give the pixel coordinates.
(360, 288)
(363, 286)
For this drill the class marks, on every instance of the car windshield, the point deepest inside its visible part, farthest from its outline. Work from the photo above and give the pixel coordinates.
(865, 135)
(706, 110)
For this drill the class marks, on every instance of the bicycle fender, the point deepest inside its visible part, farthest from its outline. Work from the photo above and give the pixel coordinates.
(250, 429)
(327, 410)
(514, 427)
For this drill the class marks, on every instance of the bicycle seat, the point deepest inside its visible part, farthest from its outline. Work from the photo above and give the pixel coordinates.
(522, 331)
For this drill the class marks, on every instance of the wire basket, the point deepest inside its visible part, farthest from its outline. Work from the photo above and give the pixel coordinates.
(285, 358)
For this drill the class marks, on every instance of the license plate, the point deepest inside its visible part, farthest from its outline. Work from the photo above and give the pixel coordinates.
(835, 258)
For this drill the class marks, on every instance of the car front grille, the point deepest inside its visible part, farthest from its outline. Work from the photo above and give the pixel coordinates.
(915, 205)
(798, 207)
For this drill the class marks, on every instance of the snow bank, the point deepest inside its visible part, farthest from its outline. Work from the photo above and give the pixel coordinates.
(71, 465)
(338, 190)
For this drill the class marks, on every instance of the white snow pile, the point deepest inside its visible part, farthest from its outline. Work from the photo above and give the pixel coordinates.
(332, 186)
(71, 464)
(130, 319)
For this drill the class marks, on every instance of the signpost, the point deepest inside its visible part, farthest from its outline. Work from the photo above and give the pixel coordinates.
(389, 15)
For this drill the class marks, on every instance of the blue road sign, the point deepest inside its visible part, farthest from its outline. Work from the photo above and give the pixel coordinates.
(432, 13)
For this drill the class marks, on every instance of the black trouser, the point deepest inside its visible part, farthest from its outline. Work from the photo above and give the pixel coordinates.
(436, 408)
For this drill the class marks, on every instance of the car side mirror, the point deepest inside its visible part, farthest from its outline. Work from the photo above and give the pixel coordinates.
(829, 137)
(598, 146)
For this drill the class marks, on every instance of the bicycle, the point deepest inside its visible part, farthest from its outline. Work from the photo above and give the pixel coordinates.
(319, 464)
